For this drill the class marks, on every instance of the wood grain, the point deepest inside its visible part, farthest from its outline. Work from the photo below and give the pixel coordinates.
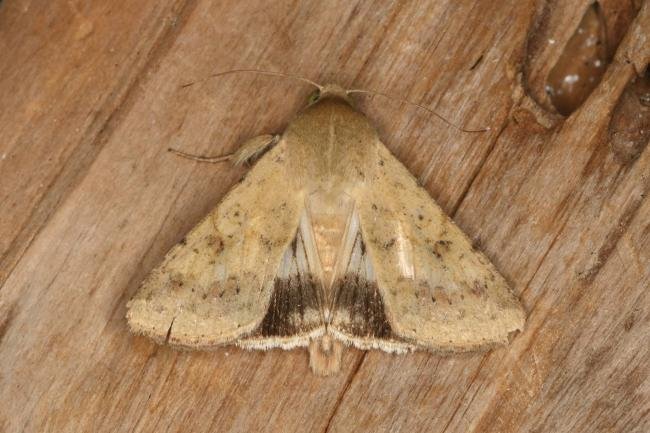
(92, 99)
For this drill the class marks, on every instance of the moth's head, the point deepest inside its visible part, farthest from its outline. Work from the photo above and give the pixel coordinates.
(329, 91)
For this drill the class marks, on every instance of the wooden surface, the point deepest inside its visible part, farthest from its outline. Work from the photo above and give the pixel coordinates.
(92, 98)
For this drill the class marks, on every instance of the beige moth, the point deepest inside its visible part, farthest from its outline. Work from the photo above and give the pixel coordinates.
(327, 242)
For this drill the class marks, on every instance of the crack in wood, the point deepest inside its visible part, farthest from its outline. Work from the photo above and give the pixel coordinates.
(479, 167)
(611, 240)
(5, 322)
(462, 398)
(346, 386)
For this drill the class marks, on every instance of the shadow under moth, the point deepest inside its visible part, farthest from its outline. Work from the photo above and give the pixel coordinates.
(328, 241)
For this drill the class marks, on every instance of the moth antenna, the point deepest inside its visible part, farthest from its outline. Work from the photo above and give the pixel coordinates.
(429, 110)
(258, 71)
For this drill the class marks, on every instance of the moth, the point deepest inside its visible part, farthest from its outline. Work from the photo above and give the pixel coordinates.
(327, 242)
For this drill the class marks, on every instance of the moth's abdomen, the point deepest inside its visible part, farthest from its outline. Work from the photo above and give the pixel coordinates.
(329, 217)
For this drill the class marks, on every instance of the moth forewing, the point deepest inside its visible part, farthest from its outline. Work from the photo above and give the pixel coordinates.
(215, 285)
(328, 240)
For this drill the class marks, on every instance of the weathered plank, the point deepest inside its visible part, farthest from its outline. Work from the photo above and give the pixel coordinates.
(67, 72)
(563, 220)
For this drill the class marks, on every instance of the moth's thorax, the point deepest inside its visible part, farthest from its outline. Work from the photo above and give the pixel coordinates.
(330, 145)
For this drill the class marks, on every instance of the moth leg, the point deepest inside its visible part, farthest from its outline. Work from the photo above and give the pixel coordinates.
(254, 147)
(249, 150)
